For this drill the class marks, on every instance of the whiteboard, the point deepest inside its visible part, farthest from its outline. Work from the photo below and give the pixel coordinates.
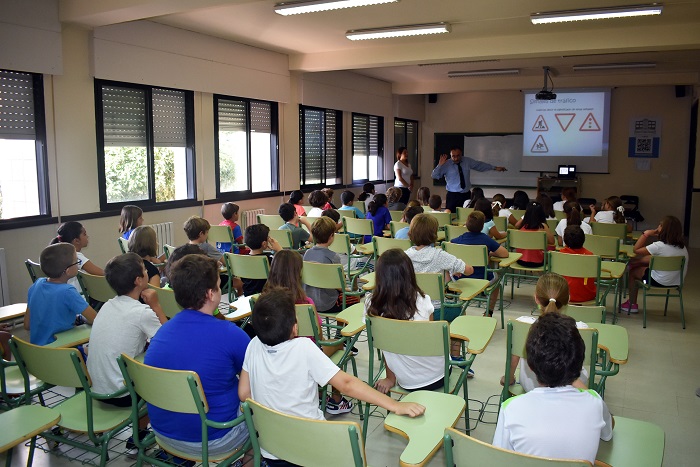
(499, 150)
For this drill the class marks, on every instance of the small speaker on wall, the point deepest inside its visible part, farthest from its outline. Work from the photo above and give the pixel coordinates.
(432, 98)
(680, 91)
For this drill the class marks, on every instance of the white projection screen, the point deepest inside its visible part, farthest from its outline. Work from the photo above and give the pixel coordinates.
(571, 129)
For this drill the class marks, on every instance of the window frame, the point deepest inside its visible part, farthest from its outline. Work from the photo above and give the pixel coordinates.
(380, 148)
(324, 156)
(415, 163)
(274, 148)
(190, 152)
(42, 161)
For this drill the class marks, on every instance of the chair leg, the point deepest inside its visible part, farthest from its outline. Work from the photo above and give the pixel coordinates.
(645, 309)
(668, 291)
(680, 297)
(30, 456)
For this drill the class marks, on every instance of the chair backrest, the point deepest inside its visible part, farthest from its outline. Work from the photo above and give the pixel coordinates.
(559, 215)
(341, 244)
(307, 208)
(220, 234)
(454, 231)
(302, 441)
(527, 240)
(570, 265)
(433, 284)
(123, 244)
(358, 226)
(172, 390)
(55, 366)
(34, 270)
(273, 221)
(501, 223)
(587, 314)
(396, 215)
(461, 449)
(361, 206)
(323, 276)
(668, 263)
(463, 213)
(307, 321)
(168, 249)
(552, 224)
(415, 338)
(603, 246)
(347, 213)
(311, 220)
(166, 298)
(283, 237)
(609, 230)
(443, 218)
(517, 213)
(395, 226)
(382, 244)
(474, 255)
(246, 266)
(95, 287)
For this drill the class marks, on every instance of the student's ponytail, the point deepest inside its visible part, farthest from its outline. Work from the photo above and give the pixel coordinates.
(615, 204)
(377, 202)
(551, 292)
(573, 214)
(496, 208)
(67, 232)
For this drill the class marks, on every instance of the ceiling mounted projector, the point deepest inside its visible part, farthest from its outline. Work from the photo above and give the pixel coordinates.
(546, 94)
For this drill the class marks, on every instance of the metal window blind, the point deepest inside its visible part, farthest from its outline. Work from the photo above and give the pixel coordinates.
(312, 142)
(16, 105)
(331, 134)
(124, 116)
(169, 122)
(232, 115)
(260, 117)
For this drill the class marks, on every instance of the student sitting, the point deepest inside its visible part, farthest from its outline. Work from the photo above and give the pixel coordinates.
(423, 196)
(393, 197)
(194, 340)
(329, 193)
(229, 211)
(317, 200)
(333, 215)
(144, 243)
(367, 193)
(379, 215)
(74, 233)
(490, 229)
(122, 327)
(283, 373)
(408, 215)
(435, 204)
(475, 236)
(534, 221)
(348, 199)
(197, 231)
(555, 420)
(130, 218)
(52, 303)
(296, 197)
(258, 239)
(581, 289)
(291, 222)
(323, 231)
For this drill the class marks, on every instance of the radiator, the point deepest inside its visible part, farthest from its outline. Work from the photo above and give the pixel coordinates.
(164, 234)
(4, 280)
(251, 217)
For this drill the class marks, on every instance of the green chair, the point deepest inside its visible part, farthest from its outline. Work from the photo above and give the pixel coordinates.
(307, 208)
(166, 298)
(273, 221)
(419, 339)
(347, 213)
(361, 206)
(34, 270)
(395, 226)
(303, 441)
(519, 239)
(614, 266)
(443, 218)
(664, 263)
(247, 267)
(95, 288)
(283, 237)
(501, 223)
(381, 244)
(123, 244)
(80, 413)
(176, 391)
(220, 234)
(585, 267)
(463, 214)
(517, 213)
(610, 230)
(342, 245)
(168, 249)
(311, 220)
(634, 444)
(396, 215)
(14, 390)
(454, 231)
(327, 276)
(587, 314)
(24, 423)
(477, 256)
(552, 224)
(608, 248)
(559, 215)
(515, 346)
(360, 227)
(461, 449)
(433, 285)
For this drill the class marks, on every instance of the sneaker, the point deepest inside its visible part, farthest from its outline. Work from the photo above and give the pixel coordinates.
(488, 314)
(354, 351)
(337, 408)
(165, 457)
(629, 308)
(470, 373)
(131, 450)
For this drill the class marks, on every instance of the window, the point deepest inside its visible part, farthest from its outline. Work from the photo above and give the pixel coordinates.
(145, 144)
(246, 146)
(406, 135)
(367, 147)
(320, 146)
(23, 176)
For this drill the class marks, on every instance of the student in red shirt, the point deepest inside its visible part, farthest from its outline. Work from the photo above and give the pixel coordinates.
(581, 289)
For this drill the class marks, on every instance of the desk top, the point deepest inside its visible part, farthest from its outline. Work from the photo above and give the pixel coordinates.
(628, 250)
(505, 262)
(368, 279)
(468, 288)
(352, 316)
(476, 330)
(12, 311)
(614, 340)
(72, 337)
(612, 269)
(239, 309)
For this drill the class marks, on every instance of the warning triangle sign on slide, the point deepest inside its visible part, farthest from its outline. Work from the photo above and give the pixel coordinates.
(589, 123)
(540, 124)
(540, 145)
(565, 120)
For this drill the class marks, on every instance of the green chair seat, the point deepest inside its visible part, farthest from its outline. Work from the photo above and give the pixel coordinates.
(14, 381)
(454, 381)
(73, 413)
(634, 444)
(184, 455)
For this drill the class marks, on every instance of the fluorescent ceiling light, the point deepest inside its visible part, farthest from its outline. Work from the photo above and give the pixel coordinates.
(596, 13)
(614, 66)
(312, 6)
(460, 74)
(398, 31)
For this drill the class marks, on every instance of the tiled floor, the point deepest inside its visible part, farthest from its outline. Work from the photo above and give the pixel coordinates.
(657, 384)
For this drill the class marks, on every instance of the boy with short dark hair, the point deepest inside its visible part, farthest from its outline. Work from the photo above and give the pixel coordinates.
(348, 199)
(257, 237)
(555, 420)
(435, 203)
(230, 213)
(52, 304)
(408, 215)
(317, 199)
(581, 289)
(291, 222)
(323, 231)
(283, 373)
(197, 231)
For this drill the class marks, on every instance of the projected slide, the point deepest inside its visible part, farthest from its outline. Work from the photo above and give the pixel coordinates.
(573, 124)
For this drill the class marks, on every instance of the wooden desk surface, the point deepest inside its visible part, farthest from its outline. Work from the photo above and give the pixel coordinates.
(12, 311)
(72, 337)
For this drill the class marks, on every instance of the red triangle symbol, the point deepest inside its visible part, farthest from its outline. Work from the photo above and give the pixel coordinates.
(540, 124)
(565, 120)
(540, 145)
(589, 123)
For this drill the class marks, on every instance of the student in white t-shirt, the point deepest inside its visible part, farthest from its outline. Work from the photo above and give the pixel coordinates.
(555, 420)
(283, 373)
(573, 217)
(670, 243)
(74, 233)
(612, 212)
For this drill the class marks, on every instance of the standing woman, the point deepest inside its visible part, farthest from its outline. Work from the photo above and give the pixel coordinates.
(404, 174)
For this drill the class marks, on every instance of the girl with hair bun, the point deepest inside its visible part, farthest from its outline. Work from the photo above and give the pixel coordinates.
(74, 233)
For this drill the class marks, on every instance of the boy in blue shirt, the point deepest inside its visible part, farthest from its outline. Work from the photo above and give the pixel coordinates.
(408, 215)
(348, 199)
(474, 236)
(52, 303)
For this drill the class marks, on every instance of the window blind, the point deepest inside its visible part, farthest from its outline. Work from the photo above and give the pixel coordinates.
(124, 116)
(232, 115)
(16, 105)
(169, 121)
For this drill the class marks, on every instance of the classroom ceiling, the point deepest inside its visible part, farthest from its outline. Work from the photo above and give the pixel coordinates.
(486, 34)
